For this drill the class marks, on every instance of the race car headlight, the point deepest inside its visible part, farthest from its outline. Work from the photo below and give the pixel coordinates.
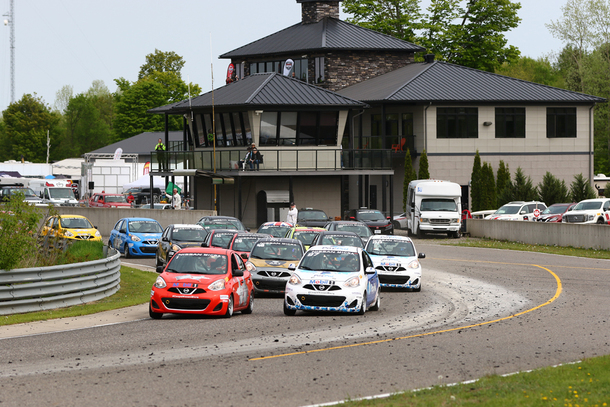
(68, 233)
(424, 220)
(98, 234)
(250, 267)
(160, 283)
(414, 264)
(134, 238)
(353, 282)
(294, 279)
(175, 247)
(217, 285)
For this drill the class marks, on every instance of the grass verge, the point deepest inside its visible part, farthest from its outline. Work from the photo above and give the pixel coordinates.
(135, 289)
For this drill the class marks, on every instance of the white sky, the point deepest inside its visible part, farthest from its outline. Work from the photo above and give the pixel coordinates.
(74, 42)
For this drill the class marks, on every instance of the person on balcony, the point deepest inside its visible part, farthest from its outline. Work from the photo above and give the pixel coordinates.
(160, 149)
(253, 158)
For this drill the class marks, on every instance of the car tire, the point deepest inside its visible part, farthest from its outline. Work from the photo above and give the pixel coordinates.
(110, 244)
(289, 312)
(250, 306)
(229, 312)
(153, 314)
(416, 290)
(375, 307)
(419, 233)
(126, 250)
(396, 225)
(362, 309)
(600, 221)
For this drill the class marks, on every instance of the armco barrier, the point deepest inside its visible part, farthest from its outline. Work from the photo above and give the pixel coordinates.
(552, 234)
(44, 288)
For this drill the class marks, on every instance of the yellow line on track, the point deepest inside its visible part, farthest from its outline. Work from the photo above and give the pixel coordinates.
(557, 293)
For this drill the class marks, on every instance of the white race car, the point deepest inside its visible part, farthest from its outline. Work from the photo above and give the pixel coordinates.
(396, 261)
(333, 278)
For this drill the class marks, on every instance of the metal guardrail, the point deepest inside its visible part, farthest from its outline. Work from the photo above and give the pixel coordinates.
(44, 288)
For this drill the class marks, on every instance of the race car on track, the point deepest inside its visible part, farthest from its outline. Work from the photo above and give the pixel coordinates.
(333, 278)
(136, 236)
(203, 280)
(396, 261)
(269, 261)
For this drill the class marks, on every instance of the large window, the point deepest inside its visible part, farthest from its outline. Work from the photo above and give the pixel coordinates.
(231, 129)
(268, 129)
(560, 122)
(299, 68)
(457, 122)
(299, 128)
(510, 122)
(288, 129)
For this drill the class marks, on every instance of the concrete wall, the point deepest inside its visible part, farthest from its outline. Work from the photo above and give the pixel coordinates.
(552, 234)
(105, 218)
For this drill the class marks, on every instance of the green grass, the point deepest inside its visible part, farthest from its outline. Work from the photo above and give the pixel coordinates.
(135, 289)
(581, 384)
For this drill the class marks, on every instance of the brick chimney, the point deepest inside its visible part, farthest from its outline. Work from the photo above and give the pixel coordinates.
(313, 11)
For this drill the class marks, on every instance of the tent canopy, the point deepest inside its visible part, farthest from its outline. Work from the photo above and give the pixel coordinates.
(144, 182)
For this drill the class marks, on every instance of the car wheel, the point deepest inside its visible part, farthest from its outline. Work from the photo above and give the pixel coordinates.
(126, 250)
(420, 234)
(396, 225)
(110, 244)
(418, 289)
(289, 312)
(153, 314)
(363, 305)
(375, 307)
(600, 221)
(229, 312)
(250, 305)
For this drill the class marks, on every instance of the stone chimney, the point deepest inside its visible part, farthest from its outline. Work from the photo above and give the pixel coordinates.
(313, 11)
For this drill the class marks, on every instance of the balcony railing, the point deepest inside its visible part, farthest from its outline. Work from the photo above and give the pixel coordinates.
(280, 159)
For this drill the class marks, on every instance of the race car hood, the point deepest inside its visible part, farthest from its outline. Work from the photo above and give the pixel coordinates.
(325, 277)
(188, 280)
(272, 263)
(391, 261)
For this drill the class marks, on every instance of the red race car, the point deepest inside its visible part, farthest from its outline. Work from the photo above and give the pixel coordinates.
(203, 280)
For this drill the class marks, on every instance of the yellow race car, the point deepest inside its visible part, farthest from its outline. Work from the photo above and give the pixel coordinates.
(75, 227)
(305, 235)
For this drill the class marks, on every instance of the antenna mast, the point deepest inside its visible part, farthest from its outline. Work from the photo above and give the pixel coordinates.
(11, 21)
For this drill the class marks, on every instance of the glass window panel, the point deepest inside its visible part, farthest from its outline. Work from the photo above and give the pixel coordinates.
(220, 139)
(288, 128)
(261, 67)
(239, 135)
(376, 125)
(307, 128)
(269, 67)
(253, 68)
(247, 129)
(457, 122)
(208, 124)
(407, 124)
(510, 122)
(200, 130)
(328, 128)
(268, 129)
(228, 127)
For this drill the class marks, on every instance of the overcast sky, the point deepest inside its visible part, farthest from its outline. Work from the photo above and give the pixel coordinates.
(74, 42)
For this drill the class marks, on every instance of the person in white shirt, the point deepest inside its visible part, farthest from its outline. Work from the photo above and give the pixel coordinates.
(292, 214)
(176, 200)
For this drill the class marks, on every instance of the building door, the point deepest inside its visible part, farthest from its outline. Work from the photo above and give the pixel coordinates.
(373, 197)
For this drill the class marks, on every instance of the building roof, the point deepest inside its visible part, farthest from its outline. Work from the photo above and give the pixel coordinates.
(141, 144)
(328, 34)
(444, 82)
(260, 90)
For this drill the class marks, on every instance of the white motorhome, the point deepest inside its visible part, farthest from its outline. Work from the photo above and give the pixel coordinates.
(434, 206)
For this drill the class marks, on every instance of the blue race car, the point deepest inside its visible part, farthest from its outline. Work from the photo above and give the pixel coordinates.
(136, 236)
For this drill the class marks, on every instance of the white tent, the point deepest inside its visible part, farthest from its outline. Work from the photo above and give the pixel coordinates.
(144, 182)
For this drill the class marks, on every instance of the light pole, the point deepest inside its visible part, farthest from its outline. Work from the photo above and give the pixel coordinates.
(10, 21)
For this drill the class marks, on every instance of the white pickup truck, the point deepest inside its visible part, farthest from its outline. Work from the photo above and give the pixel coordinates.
(59, 196)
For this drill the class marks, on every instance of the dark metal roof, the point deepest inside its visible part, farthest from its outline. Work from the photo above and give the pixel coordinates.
(328, 34)
(445, 82)
(141, 144)
(260, 90)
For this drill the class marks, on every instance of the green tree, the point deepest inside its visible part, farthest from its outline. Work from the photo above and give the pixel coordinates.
(488, 183)
(607, 190)
(18, 230)
(502, 180)
(523, 187)
(160, 61)
(533, 70)
(86, 130)
(423, 172)
(581, 189)
(476, 185)
(409, 176)
(26, 123)
(553, 190)
(398, 18)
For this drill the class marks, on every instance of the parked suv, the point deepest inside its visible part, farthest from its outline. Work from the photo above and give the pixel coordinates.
(589, 211)
(312, 217)
(373, 218)
(142, 195)
(518, 210)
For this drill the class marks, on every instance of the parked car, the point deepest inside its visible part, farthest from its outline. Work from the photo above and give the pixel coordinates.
(136, 236)
(269, 261)
(175, 238)
(554, 213)
(223, 219)
(157, 206)
(142, 195)
(275, 229)
(29, 195)
(210, 225)
(104, 200)
(199, 280)
(359, 228)
(305, 234)
(396, 261)
(243, 243)
(400, 221)
(340, 238)
(518, 210)
(482, 214)
(74, 227)
(589, 211)
(374, 219)
(310, 217)
(333, 278)
(220, 237)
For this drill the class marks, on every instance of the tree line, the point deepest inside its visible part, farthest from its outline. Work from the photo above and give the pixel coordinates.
(84, 122)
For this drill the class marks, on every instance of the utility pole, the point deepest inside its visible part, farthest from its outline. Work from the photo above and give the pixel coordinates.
(10, 21)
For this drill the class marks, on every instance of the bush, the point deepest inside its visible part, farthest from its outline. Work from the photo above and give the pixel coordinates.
(18, 231)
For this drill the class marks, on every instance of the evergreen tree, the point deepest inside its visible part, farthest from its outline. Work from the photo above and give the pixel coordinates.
(502, 180)
(523, 188)
(476, 188)
(607, 190)
(489, 187)
(552, 190)
(581, 189)
(409, 176)
(423, 166)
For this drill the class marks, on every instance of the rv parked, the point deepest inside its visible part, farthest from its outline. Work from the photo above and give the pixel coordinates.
(434, 206)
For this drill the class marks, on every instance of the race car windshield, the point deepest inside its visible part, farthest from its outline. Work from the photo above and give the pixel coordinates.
(116, 198)
(391, 248)
(371, 216)
(242, 244)
(276, 251)
(305, 237)
(312, 215)
(438, 205)
(222, 240)
(360, 230)
(213, 226)
(189, 235)
(339, 240)
(75, 223)
(275, 231)
(198, 263)
(144, 227)
(331, 261)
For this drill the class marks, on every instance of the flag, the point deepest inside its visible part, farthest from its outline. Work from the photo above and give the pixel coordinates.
(170, 188)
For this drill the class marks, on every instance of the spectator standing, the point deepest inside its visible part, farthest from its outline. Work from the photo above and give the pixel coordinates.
(176, 199)
(160, 149)
(292, 214)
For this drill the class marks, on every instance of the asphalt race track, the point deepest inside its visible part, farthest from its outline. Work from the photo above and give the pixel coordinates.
(480, 312)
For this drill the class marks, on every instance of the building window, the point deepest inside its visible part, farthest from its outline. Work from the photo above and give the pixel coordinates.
(510, 122)
(560, 122)
(457, 122)
(328, 128)
(288, 128)
(299, 128)
(319, 69)
(268, 129)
